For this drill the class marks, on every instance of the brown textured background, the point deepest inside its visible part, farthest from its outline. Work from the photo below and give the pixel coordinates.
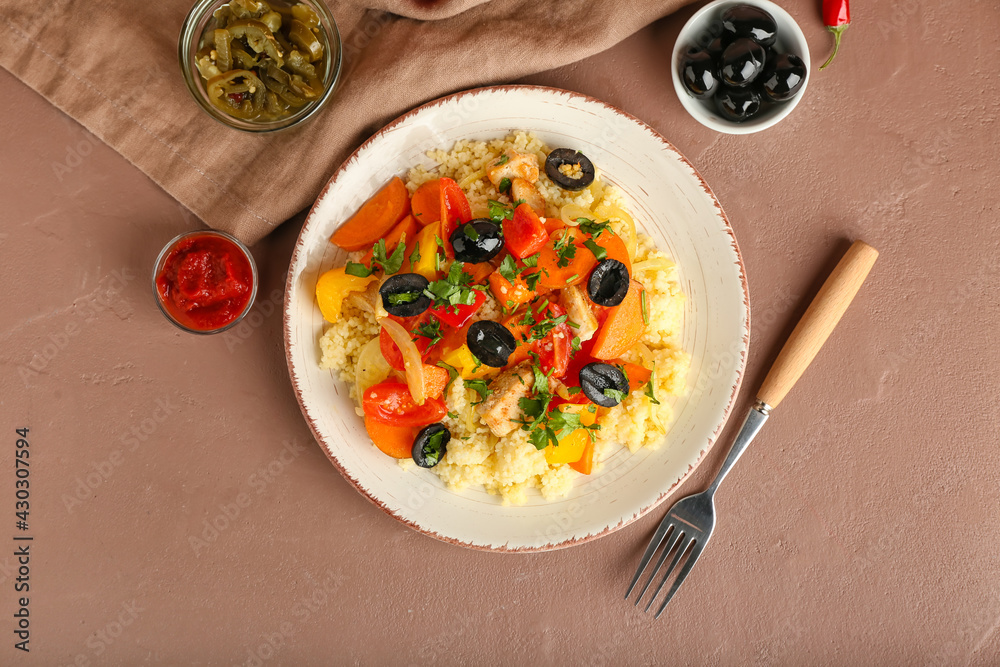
(860, 528)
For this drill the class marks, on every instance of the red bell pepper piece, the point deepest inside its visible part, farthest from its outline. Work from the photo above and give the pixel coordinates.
(457, 316)
(391, 403)
(524, 234)
(455, 211)
(391, 352)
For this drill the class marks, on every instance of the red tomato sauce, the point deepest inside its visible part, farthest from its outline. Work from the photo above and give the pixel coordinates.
(206, 282)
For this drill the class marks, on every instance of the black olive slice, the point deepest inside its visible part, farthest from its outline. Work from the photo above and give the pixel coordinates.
(568, 156)
(403, 295)
(430, 445)
(478, 240)
(603, 384)
(608, 283)
(491, 342)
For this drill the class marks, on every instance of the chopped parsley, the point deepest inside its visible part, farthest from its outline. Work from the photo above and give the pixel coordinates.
(403, 297)
(454, 289)
(508, 269)
(471, 232)
(595, 229)
(452, 373)
(478, 386)
(504, 184)
(389, 265)
(651, 388)
(576, 344)
(415, 255)
(504, 159)
(565, 250)
(645, 307)
(430, 329)
(452, 415)
(532, 280)
(499, 212)
(531, 260)
(599, 252)
(615, 394)
(434, 449)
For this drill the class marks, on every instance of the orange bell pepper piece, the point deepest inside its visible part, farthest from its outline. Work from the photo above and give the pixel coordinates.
(375, 219)
(623, 326)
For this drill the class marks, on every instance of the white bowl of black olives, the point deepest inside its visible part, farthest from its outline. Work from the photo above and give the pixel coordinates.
(740, 67)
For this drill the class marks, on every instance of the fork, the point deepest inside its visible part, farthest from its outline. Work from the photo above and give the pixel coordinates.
(687, 527)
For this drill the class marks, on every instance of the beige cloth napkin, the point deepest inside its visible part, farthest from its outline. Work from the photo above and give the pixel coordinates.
(113, 67)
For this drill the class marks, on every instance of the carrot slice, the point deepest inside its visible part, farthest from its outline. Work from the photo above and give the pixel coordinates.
(622, 328)
(408, 226)
(426, 202)
(575, 269)
(637, 375)
(375, 219)
(396, 441)
(615, 247)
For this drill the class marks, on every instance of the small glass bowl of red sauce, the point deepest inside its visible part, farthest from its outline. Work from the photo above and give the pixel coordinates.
(205, 282)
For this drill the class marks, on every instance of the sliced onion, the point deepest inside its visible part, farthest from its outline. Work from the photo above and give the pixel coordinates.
(645, 354)
(570, 212)
(413, 365)
(471, 178)
(371, 368)
(631, 239)
(654, 264)
(470, 412)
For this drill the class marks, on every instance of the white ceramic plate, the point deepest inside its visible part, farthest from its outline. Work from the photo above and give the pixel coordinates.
(668, 199)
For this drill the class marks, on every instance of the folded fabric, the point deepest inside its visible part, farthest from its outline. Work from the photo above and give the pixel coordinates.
(113, 67)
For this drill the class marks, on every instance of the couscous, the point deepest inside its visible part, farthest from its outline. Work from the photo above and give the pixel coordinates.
(473, 334)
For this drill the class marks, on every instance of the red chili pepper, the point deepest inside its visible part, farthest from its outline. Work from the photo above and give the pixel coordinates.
(837, 17)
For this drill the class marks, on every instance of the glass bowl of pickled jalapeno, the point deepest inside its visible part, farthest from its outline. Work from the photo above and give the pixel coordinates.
(260, 65)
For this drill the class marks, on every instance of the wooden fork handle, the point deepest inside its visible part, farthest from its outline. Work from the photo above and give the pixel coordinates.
(818, 322)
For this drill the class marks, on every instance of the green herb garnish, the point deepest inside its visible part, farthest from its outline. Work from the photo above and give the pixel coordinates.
(650, 387)
(504, 159)
(452, 373)
(645, 307)
(599, 252)
(615, 394)
(504, 184)
(471, 232)
(431, 329)
(499, 212)
(595, 229)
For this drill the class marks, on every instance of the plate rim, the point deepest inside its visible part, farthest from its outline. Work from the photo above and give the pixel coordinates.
(727, 411)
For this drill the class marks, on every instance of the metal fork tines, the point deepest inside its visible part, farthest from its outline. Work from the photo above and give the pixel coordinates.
(682, 535)
(687, 527)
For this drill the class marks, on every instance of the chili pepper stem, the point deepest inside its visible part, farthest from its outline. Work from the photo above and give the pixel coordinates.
(837, 32)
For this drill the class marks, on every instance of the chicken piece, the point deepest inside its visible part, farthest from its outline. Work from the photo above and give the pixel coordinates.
(516, 165)
(501, 407)
(522, 190)
(578, 311)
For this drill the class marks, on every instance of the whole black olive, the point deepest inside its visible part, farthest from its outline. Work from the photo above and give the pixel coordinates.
(403, 295)
(608, 283)
(749, 21)
(430, 445)
(742, 62)
(716, 47)
(737, 104)
(604, 384)
(783, 77)
(479, 240)
(575, 159)
(491, 342)
(699, 73)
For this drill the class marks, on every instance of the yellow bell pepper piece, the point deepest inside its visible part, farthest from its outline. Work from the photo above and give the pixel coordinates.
(333, 287)
(427, 243)
(572, 446)
(462, 360)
